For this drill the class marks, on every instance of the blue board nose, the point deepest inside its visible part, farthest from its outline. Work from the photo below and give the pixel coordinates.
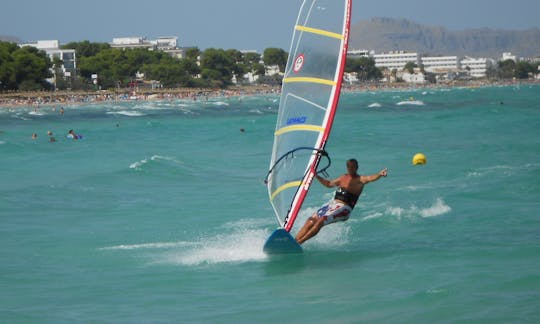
(281, 242)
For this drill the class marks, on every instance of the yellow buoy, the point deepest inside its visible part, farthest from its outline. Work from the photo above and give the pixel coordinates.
(419, 158)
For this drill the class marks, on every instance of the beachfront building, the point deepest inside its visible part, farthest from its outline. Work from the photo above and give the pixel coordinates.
(271, 70)
(476, 67)
(168, 44)
(440, 64)
(417, 77)
(395, 60)
(358, 53)
(68, 57)
(508, 56)
(350, 78)
(132, 42)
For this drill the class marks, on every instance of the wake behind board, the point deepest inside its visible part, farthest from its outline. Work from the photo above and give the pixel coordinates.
(281, 242)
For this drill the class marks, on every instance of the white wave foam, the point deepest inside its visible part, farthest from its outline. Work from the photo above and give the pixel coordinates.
(158, 245)
(499, 169)
(438, 208)
(239, 246)
(411, 103)
(19, 116)
(2, 142)
(220, 103)
(36, 113)
(242, 242)
(374, 215)
(375, 105)
(129, 113)
(138, 165)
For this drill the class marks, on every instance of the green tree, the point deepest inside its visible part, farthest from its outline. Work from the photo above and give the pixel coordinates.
(190, 61)
(364, 67)
(507, 69)
(410, 67)
(253, 63)
(7, 73)
(85, 48)
(239, 67)
(24, 68)
(193, 53)
(275, 56)
(217, 67)
(31, 68)
(523, 69)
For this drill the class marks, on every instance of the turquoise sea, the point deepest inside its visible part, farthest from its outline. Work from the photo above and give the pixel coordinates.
(159, 214)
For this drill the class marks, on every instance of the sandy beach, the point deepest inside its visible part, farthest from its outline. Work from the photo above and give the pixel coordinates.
(65, 98)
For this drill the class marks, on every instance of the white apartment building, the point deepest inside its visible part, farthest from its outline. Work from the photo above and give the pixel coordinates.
(508, 56)
(53, 50)
(440, 64)
(395, 60)
(476, 67)
(132, 42)
(357, 53)
(417, 78)
(168, 44)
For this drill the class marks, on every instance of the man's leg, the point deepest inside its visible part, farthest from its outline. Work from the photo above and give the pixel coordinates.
(307, 226)
(315, 227)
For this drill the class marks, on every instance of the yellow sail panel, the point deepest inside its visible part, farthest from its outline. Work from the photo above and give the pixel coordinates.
(294, 128)
(309, 80)
(292, 184)
(319, 32)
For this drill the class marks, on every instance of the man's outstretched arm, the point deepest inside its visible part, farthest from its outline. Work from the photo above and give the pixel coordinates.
(375, 177)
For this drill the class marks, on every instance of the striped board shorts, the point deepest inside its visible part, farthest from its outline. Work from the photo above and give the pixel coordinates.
(334, 211)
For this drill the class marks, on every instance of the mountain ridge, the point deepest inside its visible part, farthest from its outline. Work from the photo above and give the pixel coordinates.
(383, 34)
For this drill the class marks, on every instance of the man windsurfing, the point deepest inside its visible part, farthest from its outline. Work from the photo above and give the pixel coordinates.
(350, 186)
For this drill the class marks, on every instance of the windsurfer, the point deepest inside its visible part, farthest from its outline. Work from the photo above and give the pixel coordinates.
(350, 186)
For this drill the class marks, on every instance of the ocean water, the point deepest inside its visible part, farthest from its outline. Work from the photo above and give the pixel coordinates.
(159, 213)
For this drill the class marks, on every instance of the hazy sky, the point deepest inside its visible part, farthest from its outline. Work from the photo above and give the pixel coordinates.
(238, 24)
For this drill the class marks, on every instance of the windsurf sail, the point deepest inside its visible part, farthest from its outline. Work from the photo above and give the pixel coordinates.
(309, 98)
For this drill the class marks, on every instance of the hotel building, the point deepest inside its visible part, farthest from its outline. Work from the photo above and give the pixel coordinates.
(476, 67)
(395, 60)
(440, 64)
(168, 44)
(53, 50)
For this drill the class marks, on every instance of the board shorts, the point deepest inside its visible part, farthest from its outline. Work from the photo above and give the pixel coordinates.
(334, 211)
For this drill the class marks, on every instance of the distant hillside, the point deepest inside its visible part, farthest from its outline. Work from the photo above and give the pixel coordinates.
(387, 34)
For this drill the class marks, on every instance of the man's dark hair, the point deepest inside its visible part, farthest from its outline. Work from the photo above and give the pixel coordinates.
(353, 161)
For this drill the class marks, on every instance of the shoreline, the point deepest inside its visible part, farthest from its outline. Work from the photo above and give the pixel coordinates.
(74, 98)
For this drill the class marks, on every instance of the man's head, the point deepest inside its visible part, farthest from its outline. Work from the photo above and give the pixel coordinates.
(352, 166)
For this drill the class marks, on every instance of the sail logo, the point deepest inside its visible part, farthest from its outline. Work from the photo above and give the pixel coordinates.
(298, 63)
(308, 181)
(296, 120)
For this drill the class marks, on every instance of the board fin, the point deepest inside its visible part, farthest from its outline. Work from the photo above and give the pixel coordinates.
(281, 242)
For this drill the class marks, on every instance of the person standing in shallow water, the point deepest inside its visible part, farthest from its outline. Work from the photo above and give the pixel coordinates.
(350, 186)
